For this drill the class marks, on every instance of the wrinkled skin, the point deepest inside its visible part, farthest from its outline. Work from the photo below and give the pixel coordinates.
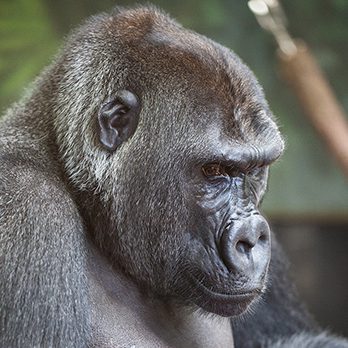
(131, 179)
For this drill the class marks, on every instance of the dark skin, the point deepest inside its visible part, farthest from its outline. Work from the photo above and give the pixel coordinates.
(131, 178)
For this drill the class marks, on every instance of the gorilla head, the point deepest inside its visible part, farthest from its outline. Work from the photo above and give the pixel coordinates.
(172, 134)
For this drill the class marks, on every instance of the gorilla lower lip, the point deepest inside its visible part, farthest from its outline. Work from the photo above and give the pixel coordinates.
(220, 303)
(233, 296)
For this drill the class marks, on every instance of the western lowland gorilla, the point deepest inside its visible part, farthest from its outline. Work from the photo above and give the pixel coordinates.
(131, 177)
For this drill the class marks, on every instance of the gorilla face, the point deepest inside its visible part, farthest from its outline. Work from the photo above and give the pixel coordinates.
(184, 140)
(190, 224)
(230, 247)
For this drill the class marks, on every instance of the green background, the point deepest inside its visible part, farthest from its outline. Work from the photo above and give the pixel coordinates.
(306, 182)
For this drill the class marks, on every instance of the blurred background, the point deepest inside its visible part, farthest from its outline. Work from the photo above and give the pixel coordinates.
(307, 201)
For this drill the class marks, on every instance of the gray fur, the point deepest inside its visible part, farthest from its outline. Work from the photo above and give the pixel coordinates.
(86, 234)
(305, 340)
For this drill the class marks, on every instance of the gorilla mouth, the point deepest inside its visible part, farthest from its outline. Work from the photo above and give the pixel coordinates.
(220, 303)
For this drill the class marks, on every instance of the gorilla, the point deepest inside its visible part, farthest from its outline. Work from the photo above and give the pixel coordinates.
(131, 177)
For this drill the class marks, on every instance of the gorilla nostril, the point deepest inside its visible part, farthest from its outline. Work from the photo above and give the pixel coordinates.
(244, 247)
(263, 237)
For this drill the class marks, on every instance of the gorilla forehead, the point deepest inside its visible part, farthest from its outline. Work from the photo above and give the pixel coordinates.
(151, 37)
(183, 60)
(158, 58)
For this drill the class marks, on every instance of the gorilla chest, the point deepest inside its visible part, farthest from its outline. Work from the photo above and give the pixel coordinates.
(123, 328)
(123, 317)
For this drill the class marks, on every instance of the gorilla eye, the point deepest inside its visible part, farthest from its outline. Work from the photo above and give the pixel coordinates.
(213, 170)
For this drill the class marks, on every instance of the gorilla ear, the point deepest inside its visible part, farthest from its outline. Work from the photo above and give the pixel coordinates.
(118, 119)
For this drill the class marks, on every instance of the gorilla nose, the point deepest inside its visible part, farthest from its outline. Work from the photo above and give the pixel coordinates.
(245, 246)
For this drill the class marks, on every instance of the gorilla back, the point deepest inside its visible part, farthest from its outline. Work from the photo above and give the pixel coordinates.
(131, 177)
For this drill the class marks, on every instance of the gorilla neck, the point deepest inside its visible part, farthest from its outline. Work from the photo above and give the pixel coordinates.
(119, 306)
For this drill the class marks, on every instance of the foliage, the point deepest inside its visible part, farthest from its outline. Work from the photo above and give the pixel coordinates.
(27, 42)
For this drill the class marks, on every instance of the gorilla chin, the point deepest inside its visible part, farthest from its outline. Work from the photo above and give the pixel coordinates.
(222, 303)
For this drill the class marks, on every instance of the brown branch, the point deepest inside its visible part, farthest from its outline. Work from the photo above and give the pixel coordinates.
(318, 101)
